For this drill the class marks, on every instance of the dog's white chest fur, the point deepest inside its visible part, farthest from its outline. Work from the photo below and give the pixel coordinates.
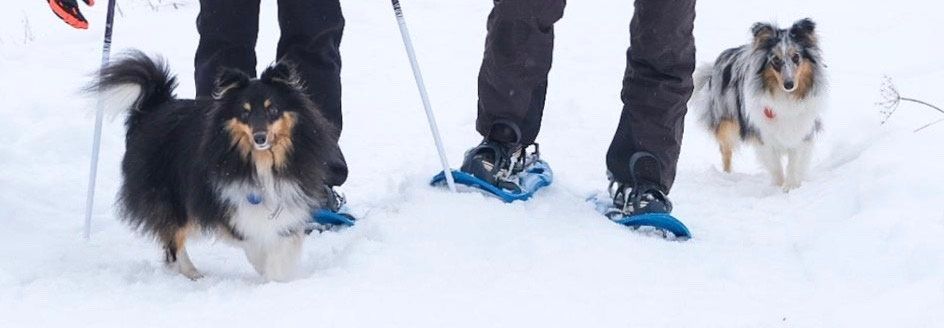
(283, 208)
(271, 224)
(783, 121)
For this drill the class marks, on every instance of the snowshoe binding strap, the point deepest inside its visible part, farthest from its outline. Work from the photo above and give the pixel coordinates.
(644, 196)
(499, 158)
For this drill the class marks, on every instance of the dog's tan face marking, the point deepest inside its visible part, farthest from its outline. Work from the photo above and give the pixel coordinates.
(280, 134)
(804, 79)
(240, 136)
(247, 107)
(267, 104)
(772, 79)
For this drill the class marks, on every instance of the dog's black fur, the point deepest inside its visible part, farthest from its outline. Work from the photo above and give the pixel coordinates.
(180, 154)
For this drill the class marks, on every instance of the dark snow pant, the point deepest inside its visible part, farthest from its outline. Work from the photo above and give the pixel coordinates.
(656, 85)
(311, 35)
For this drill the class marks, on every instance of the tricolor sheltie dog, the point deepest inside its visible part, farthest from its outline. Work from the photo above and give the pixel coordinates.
(770, 93)
(245, 166)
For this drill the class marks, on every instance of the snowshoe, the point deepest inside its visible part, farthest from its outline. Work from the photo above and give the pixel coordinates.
(334, 214)
(536, 176)
(641, 206)
(500, 166)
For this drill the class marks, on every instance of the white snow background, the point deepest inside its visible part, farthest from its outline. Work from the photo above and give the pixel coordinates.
(858, 245)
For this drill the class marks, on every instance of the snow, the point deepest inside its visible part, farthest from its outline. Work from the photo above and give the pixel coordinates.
(858, 245)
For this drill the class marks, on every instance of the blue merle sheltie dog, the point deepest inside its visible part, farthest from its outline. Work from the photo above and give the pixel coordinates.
(245, 166)
(770, 93)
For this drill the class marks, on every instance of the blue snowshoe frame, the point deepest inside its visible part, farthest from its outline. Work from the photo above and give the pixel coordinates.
(537, 176)
(329, 218)
(660, 221)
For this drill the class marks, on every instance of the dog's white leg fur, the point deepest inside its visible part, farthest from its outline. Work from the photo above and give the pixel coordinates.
(282, 261)
(276, 260)
(184, 266)
(770, 158)
(798, 164)
(256, 255)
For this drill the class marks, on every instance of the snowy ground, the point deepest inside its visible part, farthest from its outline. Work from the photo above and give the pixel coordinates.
(858, 245)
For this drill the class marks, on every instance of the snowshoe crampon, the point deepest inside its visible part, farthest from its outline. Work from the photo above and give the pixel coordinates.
(663, 224)
(536, 175)
(335, 214)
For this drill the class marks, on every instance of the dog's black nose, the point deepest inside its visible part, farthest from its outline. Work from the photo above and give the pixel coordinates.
(788, 85)
(260, 138)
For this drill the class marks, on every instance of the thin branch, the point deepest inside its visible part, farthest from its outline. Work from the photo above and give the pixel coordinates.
(28, 36)
(929, 124)
(923, 103)
(891, 100)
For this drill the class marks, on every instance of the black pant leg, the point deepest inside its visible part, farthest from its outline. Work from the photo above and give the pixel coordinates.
(228, 30)
(311, 38)
(518, 52)
(656, 88)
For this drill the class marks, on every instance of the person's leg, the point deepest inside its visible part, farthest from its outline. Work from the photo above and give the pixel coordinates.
(513, 77)
(311, 38)
(228, 30)
(512, 85)
(656, 87)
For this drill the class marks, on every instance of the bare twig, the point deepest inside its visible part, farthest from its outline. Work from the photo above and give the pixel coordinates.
(28, 36)
(891, 100)
(157, 5)
(929, 124)
(923, 103)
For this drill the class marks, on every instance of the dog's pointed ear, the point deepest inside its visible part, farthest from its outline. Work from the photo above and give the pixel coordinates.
(283, 72)
(229, 79)
(804, 32)
(763, 33)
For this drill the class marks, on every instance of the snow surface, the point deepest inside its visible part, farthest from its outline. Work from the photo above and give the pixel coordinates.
(858, 245)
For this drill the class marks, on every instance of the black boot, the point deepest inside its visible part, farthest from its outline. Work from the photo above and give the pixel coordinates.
(639, 196)
(333, 214)
(499, 158)
(334, 201)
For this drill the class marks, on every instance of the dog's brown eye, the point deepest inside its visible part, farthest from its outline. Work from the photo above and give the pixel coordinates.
(776, 62)
(795, 58)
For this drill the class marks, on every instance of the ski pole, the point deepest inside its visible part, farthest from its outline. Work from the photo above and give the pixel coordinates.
(418, 76)
(99, 115)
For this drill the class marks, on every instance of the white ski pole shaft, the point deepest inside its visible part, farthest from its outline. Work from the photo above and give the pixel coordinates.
(418, 76)
(99, 115)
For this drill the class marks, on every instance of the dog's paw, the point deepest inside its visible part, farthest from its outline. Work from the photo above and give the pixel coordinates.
(790, 185)
(193, 275)
(279, 276)
(186, 270)
(189, 272)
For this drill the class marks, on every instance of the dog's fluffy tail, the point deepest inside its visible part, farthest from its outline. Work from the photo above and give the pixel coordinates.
(134, 83)
(701, 76)
(701, 99)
